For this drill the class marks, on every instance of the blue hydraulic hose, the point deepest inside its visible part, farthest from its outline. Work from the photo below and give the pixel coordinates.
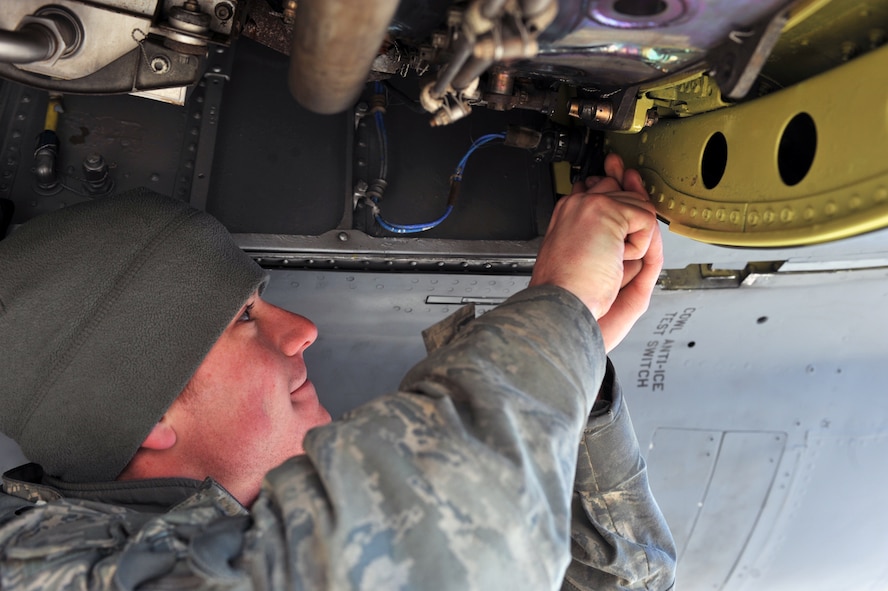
(381, 134)
(456, 178)
(412, 228)
(484, 139)
(383, 145)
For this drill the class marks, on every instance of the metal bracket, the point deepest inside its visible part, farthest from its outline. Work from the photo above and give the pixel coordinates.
(130, 73)
(704, 276)
(205, 104)
(736, 63)
(16, 105)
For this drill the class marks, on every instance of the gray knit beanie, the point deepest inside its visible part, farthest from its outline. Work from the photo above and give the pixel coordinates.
(106, 310)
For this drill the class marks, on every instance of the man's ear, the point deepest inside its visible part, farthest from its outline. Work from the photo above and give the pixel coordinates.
(162, 436)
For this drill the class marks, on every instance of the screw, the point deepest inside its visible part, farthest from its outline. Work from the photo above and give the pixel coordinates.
(289, 11)
(849, 51)
(160, 64)
(223, 11)
(343, 236)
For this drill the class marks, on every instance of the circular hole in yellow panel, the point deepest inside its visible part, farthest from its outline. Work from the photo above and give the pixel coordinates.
(798, 145)
(714, 161)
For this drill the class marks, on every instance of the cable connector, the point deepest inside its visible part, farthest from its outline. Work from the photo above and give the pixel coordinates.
(455, 186)
(378, 100)
(376, 189)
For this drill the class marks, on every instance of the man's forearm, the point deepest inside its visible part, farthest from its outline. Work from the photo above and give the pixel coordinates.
(620, 540)
(463, 479)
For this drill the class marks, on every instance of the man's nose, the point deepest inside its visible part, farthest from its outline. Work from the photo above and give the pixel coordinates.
(296, 332)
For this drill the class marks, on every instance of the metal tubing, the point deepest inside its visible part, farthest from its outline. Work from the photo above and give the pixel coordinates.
(531, 8)
(471, 70)
(31, 43)
(334, 44)
(463, 50)
(492, 9)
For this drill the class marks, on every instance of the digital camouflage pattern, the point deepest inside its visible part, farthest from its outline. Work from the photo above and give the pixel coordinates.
(465, 479)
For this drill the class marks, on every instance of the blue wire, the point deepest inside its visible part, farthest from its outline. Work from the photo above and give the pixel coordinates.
(484, 139)
(383, 141)
(382, 135)
(457, 177)
(412, 228)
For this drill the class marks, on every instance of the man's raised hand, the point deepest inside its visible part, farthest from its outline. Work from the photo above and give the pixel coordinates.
(603, 245)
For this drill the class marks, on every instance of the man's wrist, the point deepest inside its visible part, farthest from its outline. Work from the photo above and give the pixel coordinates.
(595, 307)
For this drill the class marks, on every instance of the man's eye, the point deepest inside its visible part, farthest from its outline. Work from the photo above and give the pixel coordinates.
(247, 314)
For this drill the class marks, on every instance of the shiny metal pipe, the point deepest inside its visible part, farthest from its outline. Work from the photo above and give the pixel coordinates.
(31, 43)
(471, 70)
(461, 53)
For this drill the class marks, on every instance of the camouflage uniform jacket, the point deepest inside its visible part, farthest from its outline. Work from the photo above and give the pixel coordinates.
(464, 479)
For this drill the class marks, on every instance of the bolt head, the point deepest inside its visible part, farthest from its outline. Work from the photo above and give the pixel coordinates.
(223, 11)
(160, 64)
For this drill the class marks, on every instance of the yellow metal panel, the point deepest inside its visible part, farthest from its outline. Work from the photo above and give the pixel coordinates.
(844, 193)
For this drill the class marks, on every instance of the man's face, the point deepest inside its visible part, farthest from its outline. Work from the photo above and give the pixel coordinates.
(249, 404)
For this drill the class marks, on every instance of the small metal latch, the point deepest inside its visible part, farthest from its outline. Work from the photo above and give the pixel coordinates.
(458, 300)
(704, 276)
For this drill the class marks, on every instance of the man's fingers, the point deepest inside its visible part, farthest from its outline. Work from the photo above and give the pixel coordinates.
(633, 183)
(618, 179)
(631, 269)
(638, 240)
(604, 246)
(596, 184)
(602, 184)
(614, 168)
(628, 178)
(637, 216)
(652, 262)
(639, 279)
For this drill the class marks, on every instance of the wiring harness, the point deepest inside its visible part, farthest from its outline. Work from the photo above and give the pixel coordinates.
(377, 187)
